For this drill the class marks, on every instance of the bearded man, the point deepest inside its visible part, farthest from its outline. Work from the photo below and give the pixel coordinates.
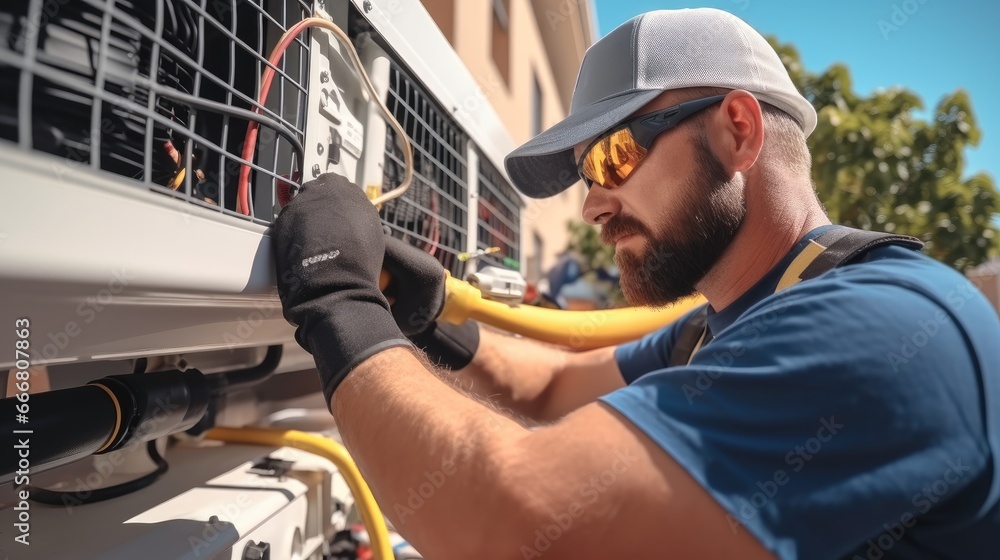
(838, 397)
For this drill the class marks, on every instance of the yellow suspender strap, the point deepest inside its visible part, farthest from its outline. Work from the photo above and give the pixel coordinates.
(802, 261)
(789, 278)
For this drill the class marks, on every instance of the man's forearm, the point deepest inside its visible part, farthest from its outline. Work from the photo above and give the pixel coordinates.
(431, 454)
(536, 380)
(513, 372)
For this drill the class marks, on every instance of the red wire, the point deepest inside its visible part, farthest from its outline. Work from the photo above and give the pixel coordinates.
(250, 142)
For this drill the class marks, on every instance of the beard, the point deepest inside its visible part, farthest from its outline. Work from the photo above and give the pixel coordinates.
(689, 240)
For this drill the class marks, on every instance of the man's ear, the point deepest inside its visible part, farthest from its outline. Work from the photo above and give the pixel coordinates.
(738, 131)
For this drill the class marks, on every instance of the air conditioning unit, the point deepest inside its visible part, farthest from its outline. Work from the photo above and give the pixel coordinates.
(134, 219)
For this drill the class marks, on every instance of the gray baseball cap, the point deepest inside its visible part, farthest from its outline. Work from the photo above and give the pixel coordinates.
(632, 65)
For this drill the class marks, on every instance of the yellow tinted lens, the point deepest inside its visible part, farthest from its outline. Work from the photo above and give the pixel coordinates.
(593, 163)
(611, 160)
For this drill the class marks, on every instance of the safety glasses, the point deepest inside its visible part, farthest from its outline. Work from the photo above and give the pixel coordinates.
(613, 156)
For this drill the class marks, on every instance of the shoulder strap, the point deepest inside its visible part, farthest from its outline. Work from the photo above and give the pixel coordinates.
(839, 246)
(690, 338)
(850, 244)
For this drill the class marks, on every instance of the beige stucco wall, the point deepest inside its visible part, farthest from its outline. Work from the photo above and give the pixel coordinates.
(471, 36)
(990, 285)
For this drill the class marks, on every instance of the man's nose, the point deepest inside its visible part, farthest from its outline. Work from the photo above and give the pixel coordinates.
(600, 206)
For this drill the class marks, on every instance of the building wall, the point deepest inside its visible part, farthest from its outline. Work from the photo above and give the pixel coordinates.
(469, 25)
(990, 285)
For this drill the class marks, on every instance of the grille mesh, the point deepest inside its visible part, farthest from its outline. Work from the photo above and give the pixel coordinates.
(432, 213)
(499, 217)
(108, 84)
(105, 84)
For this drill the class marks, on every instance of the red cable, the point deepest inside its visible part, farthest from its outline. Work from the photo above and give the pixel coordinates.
(250, 141)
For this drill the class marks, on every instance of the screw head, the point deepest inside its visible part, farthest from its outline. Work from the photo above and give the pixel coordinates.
(367, 6)
(319, 148)
(324, 77)
(315, 170)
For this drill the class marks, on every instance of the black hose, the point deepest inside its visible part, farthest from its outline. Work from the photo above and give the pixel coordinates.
(60, 498)
(223, 109)
(105, 415)
(63, 426)
(243, 378)
(219, 385)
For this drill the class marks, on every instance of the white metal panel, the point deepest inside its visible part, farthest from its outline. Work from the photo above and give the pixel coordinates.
(105, 268)
(102, 267)
(173, 517)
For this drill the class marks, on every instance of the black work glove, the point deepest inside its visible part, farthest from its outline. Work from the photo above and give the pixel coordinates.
(417, 290)
(328, 249)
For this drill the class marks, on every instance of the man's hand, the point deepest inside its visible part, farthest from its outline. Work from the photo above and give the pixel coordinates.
(417, 291)
(328, 248)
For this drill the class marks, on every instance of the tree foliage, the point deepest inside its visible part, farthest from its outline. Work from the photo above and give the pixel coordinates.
(877, 166)
(585, 241)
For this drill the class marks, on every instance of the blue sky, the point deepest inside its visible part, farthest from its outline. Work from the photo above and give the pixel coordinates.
(942, 46)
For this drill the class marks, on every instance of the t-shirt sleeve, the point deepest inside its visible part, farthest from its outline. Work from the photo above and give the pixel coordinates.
(651, 352)
(825, 416)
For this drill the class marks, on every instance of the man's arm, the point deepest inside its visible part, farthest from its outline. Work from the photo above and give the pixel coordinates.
(461, 481)
(536, 380)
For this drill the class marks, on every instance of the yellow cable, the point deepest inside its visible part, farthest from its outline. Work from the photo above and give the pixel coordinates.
(324, 447)
(580, 330)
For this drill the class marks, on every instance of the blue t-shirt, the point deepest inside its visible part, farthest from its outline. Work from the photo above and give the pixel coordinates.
(853, 415)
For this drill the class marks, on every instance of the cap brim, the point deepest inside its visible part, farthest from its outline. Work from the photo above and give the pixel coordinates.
(544, 166)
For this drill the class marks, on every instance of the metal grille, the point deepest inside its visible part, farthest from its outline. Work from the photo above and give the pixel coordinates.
(432, 213)
(499, 219)
(112, 84)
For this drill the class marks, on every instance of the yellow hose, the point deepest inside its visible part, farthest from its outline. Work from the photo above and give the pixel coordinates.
(580, 330)
(324, 447)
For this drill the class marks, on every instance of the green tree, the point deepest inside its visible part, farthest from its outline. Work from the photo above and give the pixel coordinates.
(877, 166)
(585, 241)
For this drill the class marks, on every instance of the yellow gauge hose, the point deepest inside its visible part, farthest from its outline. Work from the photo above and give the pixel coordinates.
(324, 447)
(579, 330)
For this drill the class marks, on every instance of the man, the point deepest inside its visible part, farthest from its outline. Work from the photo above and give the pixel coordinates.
(852, 414)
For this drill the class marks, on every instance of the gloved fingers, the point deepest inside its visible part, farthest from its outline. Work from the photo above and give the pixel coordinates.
(417, 285)
(405, 260)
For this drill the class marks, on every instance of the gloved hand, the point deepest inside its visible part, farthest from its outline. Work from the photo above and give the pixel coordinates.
(417, 291)
(328, 249)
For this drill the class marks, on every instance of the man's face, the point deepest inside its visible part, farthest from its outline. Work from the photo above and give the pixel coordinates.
(674, 216)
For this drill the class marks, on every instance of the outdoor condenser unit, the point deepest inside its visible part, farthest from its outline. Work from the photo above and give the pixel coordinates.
(130, 242)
